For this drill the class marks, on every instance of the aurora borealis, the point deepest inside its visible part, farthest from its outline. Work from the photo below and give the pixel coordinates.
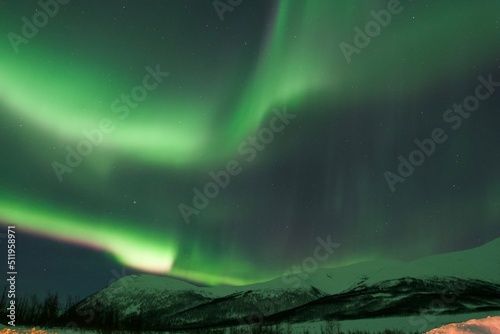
(77, 78)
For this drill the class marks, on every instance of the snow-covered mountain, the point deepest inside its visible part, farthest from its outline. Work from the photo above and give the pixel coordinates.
(452, 283)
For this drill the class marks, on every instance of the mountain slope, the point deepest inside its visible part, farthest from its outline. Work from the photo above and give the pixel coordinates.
(451, 283)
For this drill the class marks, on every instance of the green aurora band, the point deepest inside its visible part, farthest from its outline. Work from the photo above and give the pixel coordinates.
(299, 61)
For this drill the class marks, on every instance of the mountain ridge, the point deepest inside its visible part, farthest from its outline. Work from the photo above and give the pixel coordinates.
(381, 288)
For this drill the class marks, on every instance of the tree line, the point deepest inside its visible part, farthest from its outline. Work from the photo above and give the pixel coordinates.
(35, 310)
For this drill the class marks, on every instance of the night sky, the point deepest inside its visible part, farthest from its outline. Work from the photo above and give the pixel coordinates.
(301, 119)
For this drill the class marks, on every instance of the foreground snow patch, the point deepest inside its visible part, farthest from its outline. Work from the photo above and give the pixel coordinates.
(10, 330)
(490, 325)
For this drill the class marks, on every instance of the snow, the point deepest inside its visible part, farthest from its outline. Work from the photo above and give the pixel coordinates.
(489, 325)
(135, 292)
(479, 265)
(335, 280)
(368, 325)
